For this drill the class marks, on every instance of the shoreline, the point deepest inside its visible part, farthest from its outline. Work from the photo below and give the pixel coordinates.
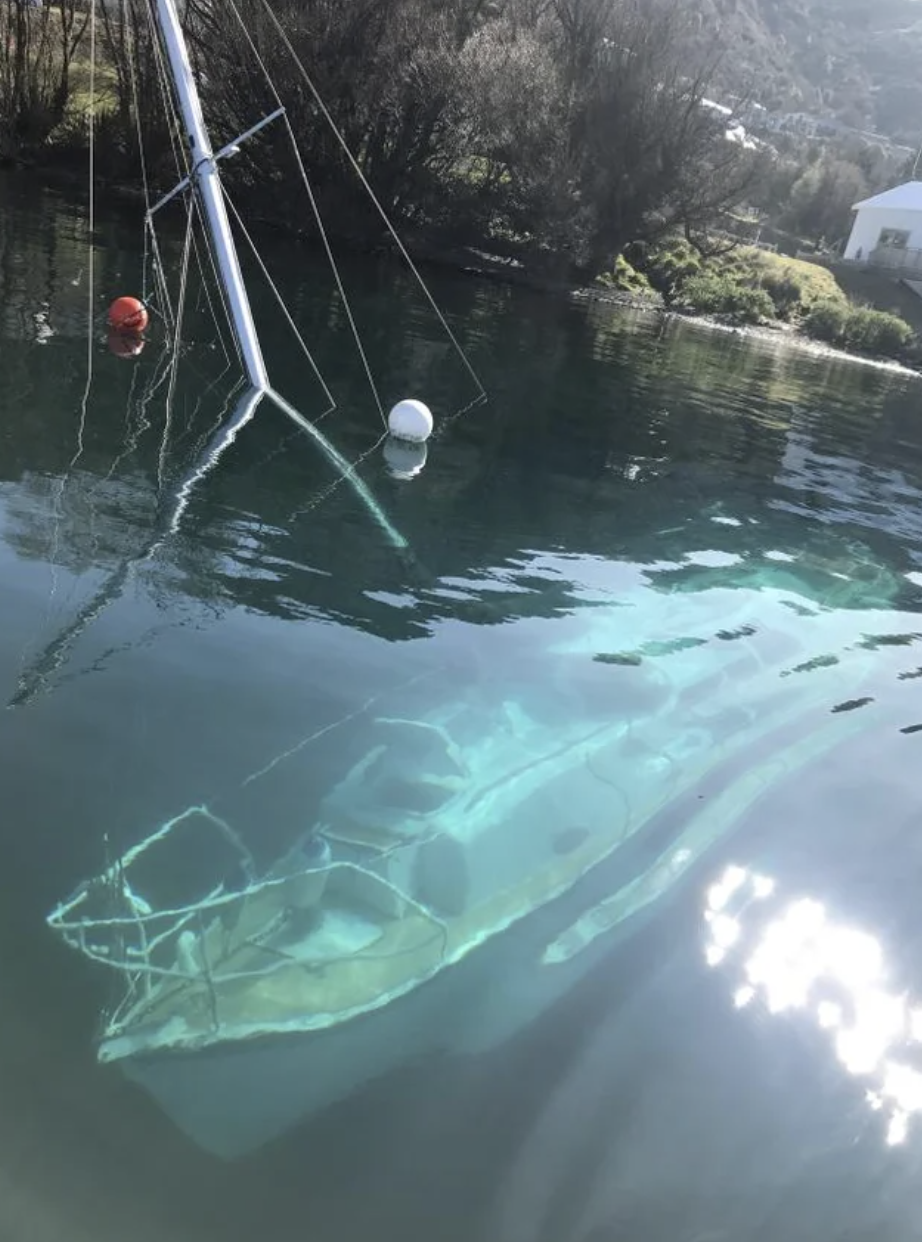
(776, 334)
(792, 337)
(806, 344)
(473, 260)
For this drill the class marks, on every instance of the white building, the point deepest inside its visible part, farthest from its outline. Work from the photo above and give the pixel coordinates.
(888, 229)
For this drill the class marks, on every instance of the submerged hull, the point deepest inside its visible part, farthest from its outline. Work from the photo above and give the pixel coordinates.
(466, 869)
(233, 1099)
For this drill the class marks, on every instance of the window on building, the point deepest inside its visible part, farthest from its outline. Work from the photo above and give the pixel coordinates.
(896, 239)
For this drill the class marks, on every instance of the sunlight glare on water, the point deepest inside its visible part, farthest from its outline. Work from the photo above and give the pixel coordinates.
(799, 958)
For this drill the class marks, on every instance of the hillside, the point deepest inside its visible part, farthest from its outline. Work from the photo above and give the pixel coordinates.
(859, 61)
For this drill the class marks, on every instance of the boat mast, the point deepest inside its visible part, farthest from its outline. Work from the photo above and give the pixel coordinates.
(205, 176)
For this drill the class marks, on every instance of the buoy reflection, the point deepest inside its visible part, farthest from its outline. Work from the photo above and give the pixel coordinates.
(405, 460)
(125, 344)
(796, 957)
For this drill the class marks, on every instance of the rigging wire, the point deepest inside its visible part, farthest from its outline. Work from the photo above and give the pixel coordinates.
(205, 387)
(91, 255)
(174, 369)
(183, 167)
(145, 179)
(181, 164)
(58, 501)
(150, 255)
(354, 164)
(331, 258)
(190, 248)
(336, 275)
(219, 283)
(180, 156)
(165, 311)
(173, 317)
(207, 290)
(276, 292)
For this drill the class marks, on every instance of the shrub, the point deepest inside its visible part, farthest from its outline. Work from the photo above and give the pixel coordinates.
(785, 291)
(793, 285)
(878, 332)
(626, 278)
(752, 305)
(707, 293)
(668, 265)
(827, 321)
(814, 282)
(861, 328)
(714, 293)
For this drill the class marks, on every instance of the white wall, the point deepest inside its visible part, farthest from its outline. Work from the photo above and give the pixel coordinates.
(870, 220)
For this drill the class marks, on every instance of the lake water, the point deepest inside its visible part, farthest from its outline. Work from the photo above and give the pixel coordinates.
(646, 623)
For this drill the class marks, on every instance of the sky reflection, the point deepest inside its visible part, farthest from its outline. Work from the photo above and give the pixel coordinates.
(795, 956)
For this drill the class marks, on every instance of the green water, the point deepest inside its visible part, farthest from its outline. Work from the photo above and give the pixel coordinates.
(690, 561)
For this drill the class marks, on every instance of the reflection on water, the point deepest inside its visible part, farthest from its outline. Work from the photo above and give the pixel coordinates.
(797, 957)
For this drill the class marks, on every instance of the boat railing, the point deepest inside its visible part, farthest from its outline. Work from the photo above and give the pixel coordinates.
(227, 936)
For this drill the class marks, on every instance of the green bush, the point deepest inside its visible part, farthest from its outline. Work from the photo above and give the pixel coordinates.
(752, 305)
(878, 332)
(870, 332)
(625, 279)
(827, 321)
(668, 265)
(754, 286)
(860, 328)
(715, 293)
(708, 293)
(786, 293)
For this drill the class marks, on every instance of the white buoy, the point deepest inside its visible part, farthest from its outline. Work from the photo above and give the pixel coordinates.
(410, 420)
(404, 459)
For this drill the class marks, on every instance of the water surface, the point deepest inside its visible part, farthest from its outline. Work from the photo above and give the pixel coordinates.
(710, 540)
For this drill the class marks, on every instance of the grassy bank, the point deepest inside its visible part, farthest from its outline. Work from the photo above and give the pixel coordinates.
(750, 286)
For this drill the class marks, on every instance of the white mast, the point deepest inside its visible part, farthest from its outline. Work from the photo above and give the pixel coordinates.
(205, 175)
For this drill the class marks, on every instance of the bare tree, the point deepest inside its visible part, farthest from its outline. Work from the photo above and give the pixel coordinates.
(37, 48)
(140, 124)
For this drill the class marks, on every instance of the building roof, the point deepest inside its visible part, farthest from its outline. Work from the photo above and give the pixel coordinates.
(906, 197)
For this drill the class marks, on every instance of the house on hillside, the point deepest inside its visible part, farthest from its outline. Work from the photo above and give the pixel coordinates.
(887, 233)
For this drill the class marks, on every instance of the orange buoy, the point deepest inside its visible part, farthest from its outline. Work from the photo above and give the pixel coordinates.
(126, 344)
(127, 315)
